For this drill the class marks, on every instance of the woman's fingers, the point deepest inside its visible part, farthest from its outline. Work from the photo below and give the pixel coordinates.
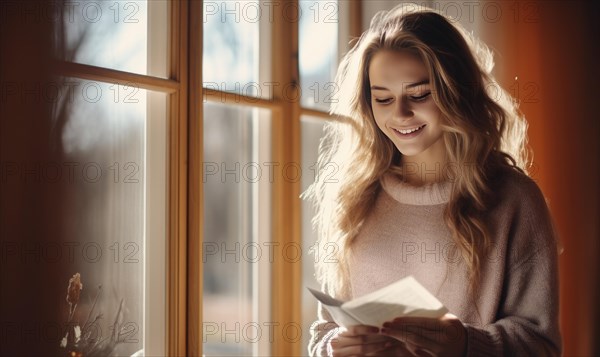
(422, 322)
(360, 330)
(341, 340)
(358, 341)
(355, 335)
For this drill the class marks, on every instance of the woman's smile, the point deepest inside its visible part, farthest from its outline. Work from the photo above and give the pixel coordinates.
(409, 133)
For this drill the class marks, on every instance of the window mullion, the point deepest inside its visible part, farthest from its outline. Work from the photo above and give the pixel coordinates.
(286, 273)
(177, 324)
(355, 15)
(195, 187)
(108, 75)
(230, 98)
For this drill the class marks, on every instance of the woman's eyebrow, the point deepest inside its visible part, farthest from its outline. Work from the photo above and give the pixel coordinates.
(378, 88)
(423, 81)
(412, 85)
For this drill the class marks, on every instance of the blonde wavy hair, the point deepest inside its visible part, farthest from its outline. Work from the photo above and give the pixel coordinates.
(483, 133)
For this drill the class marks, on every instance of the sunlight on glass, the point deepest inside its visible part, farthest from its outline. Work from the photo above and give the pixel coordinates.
(96, 109)
(103, 141)
(114, 34)
(318, 52)
(231, 46)
(234, 176)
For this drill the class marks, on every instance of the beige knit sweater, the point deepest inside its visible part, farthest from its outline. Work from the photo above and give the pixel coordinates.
(516, 312)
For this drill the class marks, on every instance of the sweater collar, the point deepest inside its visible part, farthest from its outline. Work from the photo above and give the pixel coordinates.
(428, 194)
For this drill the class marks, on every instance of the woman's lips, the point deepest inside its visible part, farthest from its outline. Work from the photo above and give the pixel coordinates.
(411, 134)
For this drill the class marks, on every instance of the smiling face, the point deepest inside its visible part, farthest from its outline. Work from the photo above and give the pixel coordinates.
(403, 106)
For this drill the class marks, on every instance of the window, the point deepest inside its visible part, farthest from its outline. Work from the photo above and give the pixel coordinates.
(236, 230)
(198, 120)
(236, 160)
(261, 135)
(111, 114)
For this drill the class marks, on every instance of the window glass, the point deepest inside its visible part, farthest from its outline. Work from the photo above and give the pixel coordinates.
(114, 34)
(318, 46)
(236, 245)
(102, 131)
(232, 45)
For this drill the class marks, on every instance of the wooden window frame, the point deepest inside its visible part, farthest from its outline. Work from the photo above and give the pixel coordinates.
(185, 155)
(183, 118)
(286, 277)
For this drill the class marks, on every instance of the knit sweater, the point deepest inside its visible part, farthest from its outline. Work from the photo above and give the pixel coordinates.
(515, 312)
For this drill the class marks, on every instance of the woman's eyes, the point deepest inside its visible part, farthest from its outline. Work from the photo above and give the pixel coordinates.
(419, 98)
(383, 101)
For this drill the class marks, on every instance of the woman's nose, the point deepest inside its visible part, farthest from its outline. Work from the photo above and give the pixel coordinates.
(403, 110)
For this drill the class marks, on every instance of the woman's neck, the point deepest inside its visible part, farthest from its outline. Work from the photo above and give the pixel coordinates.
(427, 167)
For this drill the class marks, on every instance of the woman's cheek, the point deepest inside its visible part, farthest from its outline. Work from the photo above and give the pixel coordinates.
(380, 122)
(380, 116)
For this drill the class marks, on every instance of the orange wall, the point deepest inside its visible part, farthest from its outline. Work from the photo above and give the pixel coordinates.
(552, 47)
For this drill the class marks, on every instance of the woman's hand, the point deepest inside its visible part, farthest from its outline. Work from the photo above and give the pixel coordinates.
(360, 340)
(423, 336)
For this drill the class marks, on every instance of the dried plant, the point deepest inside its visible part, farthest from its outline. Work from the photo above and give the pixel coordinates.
(73, 291)
(80, 340)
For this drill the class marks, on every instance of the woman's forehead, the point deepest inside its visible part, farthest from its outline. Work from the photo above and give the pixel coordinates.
(397, 66)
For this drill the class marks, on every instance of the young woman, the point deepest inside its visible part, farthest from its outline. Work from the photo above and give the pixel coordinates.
(432, 183)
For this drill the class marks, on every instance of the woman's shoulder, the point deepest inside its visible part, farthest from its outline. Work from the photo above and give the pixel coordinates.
(525, 214)
(513, 186)
(523, 205)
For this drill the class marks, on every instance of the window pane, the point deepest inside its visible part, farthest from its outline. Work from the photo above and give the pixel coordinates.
(236, 231)
(236, 54)
(115, 34)
(103, 131)
(318, 52)
(312, 131)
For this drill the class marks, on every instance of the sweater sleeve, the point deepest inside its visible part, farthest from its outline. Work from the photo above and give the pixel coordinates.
(321, 331)
(527, 320)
